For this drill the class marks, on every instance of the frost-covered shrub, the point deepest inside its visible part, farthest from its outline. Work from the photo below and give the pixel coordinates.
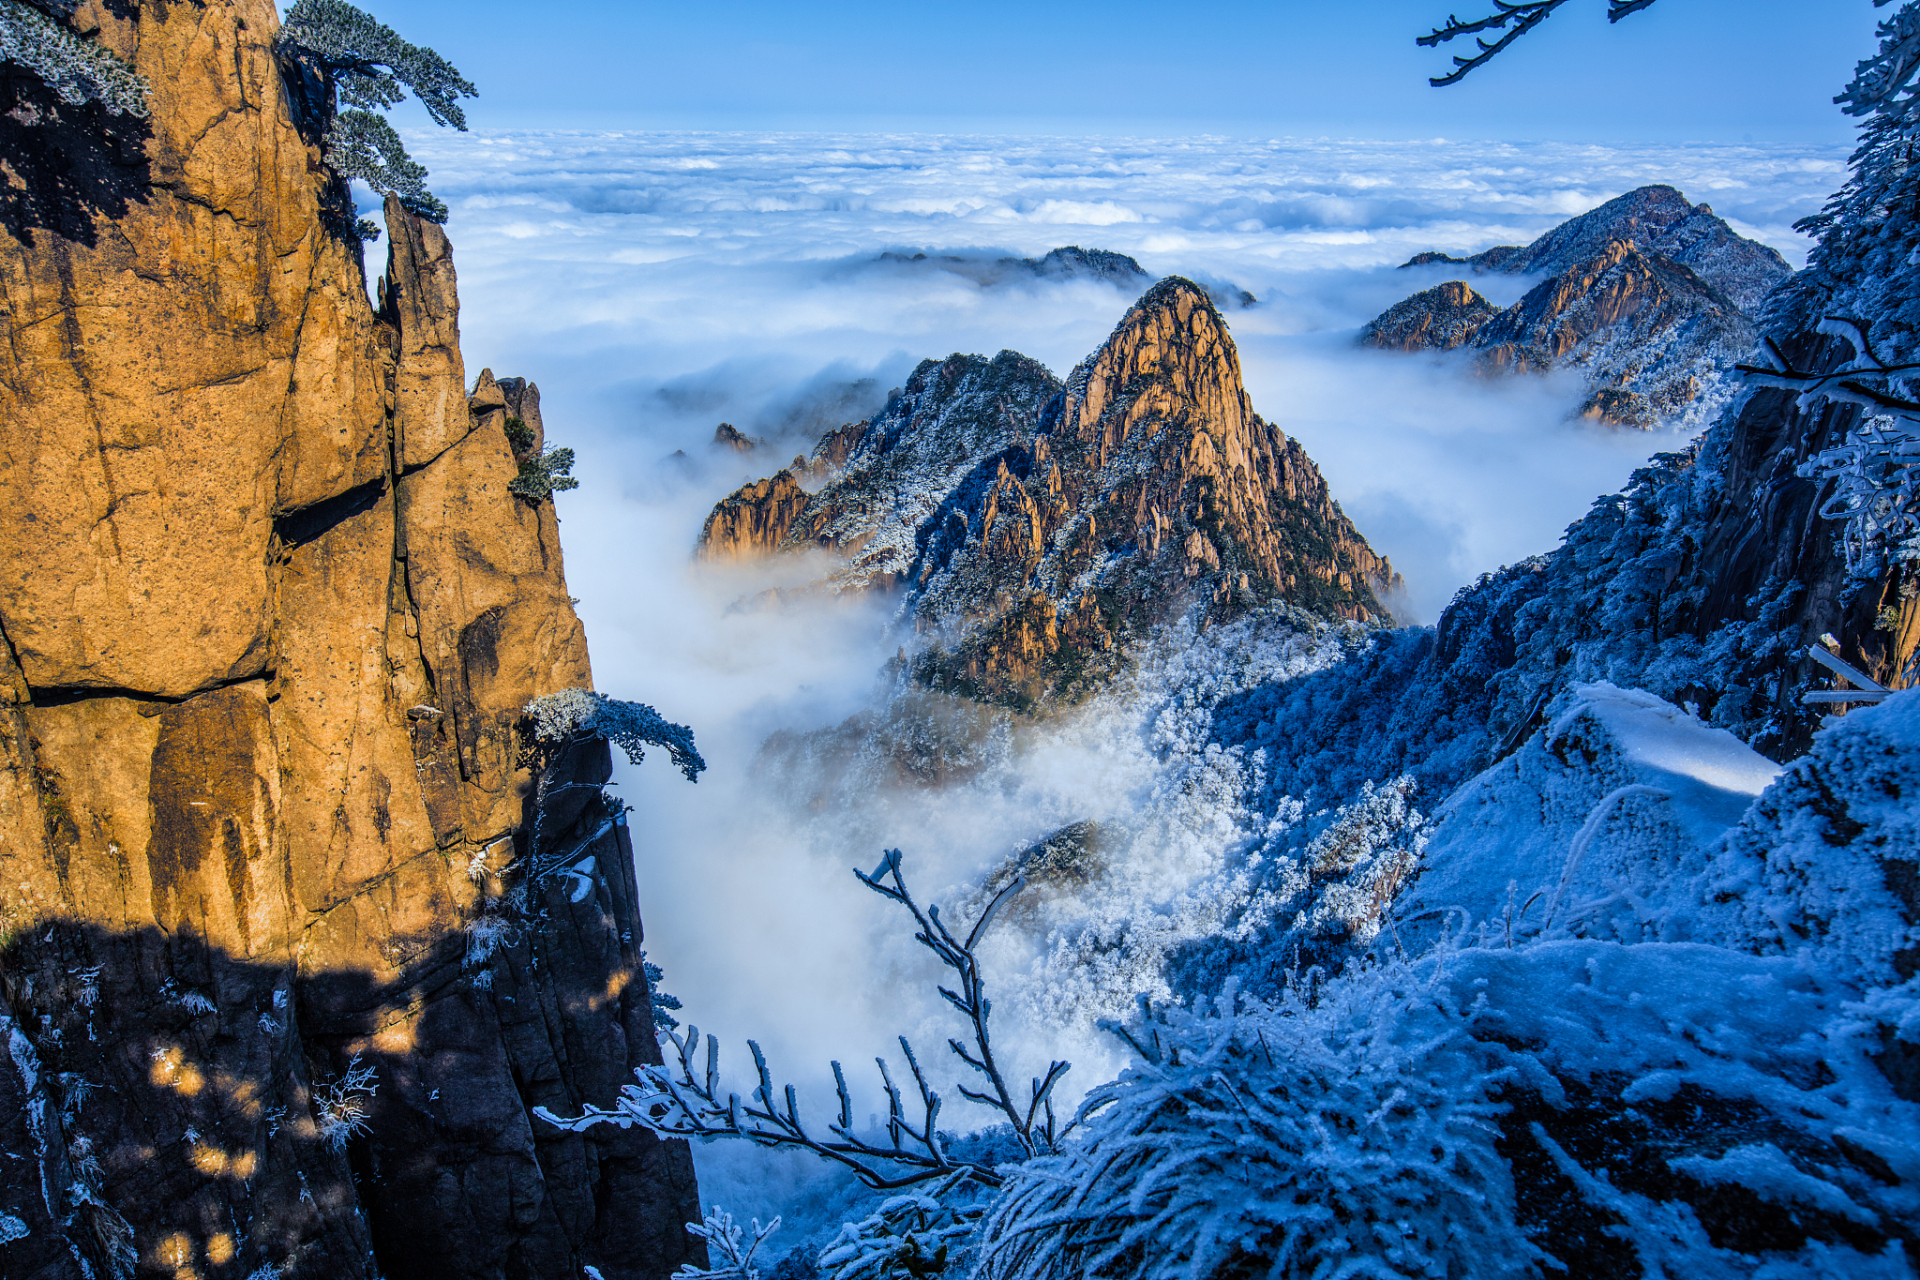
(557, 718)
(75, 68)
(1349, 1137)
(371, 68)
(486, 934)
(909, 1237)
(343, 1109)
(1826, 863)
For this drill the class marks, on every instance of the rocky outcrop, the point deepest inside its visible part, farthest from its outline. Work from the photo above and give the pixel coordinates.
(1437, 319)
(753, 520)
(1650, 298)
(1035, 526)
(1649, 334)
(277, 995)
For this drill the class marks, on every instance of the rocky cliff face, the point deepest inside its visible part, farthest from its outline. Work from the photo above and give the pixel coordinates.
(276, 996)
(1650, 298)
(1034, 525)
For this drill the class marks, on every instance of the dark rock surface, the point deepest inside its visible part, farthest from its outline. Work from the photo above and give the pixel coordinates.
(1069, 262)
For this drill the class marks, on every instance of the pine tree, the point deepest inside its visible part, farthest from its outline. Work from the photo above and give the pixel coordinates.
(75, 68)
(369, 68)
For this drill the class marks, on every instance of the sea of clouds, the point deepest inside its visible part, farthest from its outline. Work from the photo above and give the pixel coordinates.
(655, 285)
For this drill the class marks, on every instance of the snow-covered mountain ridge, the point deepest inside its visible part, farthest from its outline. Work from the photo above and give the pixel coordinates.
(1651, 298)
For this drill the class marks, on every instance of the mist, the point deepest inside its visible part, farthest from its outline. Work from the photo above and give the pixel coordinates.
(656, 285)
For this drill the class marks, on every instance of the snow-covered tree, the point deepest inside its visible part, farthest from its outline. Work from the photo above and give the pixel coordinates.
(369, 68)
(1858, 287)
(556, 719)
(75, 68)
(1351, 1136)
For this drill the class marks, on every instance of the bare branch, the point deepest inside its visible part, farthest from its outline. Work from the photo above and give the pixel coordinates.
(1521, 15)
(672, 1102)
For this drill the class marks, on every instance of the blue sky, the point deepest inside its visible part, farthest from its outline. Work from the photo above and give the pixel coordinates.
(1684, 70)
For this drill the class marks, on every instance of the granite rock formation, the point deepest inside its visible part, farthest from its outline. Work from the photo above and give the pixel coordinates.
(1650, 298)
(1034, 525)
(275, 994)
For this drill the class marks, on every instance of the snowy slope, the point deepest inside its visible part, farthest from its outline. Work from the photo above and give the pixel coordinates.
(1592, 825)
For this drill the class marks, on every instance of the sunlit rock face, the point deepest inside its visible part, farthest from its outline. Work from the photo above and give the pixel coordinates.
(271, 614)
(1650, 298)
(1035, 526)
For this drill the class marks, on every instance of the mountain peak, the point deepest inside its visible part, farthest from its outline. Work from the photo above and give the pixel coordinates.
(1659, 220)
(1035, 528)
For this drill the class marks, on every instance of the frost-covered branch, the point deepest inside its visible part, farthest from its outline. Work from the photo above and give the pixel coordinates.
(1034, 1124)
(1875, 471)
(1883, 85)
(1516, 19)
(370, 66)
(684, 1099)
(75, 68)
(729, 1255)
(556, 719)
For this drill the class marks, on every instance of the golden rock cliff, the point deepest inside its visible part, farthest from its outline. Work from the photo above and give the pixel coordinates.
(1037, 525)
(270, 615)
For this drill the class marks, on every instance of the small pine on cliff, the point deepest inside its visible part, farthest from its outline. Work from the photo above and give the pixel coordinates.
(1035, 526)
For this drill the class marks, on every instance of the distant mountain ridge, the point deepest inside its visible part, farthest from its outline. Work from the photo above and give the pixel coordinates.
(1651, 298)
(1036, 525)
(1659, 220)
(1065, 263)
(1068, 262)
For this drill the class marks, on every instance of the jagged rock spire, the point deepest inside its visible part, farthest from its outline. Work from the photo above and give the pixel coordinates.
(1036, 526)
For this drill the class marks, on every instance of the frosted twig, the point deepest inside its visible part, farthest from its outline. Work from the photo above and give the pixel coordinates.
(675, 1101)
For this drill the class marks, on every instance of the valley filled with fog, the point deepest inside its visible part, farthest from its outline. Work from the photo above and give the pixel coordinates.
(658, 285)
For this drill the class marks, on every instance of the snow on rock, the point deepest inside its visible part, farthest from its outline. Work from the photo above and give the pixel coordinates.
(1827, 865)
(1597, 826)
